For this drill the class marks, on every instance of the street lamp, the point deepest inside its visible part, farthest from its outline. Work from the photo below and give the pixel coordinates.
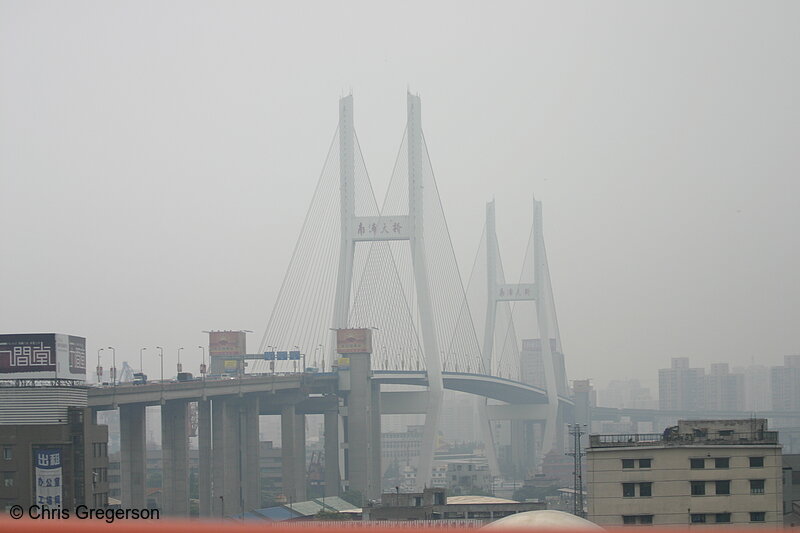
(161, 355)
(99, 368)
(141, 365)
(272, 361)
(203, 365)
(180, 367)
(113, 366)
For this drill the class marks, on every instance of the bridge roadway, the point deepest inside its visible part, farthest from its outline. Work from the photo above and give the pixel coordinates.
(314, 387)
(228, 411)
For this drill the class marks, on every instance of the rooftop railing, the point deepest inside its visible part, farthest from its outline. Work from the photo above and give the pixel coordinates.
(686, 439)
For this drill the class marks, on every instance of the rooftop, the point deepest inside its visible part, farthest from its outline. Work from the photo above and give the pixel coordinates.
(694, 433)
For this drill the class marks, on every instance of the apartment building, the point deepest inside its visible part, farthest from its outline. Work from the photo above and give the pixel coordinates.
(698, 472)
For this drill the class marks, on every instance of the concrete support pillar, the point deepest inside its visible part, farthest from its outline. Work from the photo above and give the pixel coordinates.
(226, 461)
(204, 445)
(290, 449)
(250, 453)
(359, 434)
(175, 458)
(375, 444)
(300, 457)
(332, 477)
(133, 462)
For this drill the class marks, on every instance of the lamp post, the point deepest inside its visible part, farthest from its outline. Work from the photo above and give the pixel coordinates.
(161, 355)
(272, 361)
(203, 365)
(321, 349)
(141, 365)
(180, 367)
(99, 368)
(113, 366)
(295, 361)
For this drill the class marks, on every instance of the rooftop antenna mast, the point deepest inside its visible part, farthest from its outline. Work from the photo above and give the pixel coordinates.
(576, 431)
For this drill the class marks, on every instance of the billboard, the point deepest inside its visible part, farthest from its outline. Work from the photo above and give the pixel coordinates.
(48, 477)
(42, 356)
(227, 343)
(354, 341)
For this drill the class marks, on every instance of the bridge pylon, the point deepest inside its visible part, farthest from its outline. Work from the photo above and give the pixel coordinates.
(539, 292)
(409, 227)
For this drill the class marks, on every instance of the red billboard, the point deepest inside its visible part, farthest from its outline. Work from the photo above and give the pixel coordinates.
(227, 343)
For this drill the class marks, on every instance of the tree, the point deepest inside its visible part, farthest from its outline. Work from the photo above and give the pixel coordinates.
(353, 496)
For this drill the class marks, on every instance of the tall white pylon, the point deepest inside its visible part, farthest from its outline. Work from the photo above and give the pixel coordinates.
(538, 292)
(410, 228)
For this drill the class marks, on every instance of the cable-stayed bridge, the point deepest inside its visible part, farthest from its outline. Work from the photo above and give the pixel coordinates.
(391, 267)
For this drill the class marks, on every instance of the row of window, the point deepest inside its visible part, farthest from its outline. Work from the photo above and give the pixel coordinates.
(695, 518)
(698, 488)
(724, 518)
(724, 487)
(695, 464)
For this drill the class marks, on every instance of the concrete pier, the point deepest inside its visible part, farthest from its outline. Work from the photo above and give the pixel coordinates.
(175, 458)
(332, 474)
(293, 453)
(133, 460)
(204, 445)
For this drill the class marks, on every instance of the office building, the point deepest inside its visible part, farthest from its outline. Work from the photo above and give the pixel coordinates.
(698, 472)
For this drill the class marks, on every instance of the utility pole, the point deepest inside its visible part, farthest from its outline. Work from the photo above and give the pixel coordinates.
(576, 431)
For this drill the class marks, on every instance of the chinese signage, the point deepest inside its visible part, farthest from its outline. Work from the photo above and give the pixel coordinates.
(354, 341)
(515, 291)
(48, 477)
(42, 356)
(388, 228)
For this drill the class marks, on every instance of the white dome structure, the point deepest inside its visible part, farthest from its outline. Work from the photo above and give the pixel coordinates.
(543, 520)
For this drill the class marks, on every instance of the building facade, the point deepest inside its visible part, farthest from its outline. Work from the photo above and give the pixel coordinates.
(698, 472)
(60, 465)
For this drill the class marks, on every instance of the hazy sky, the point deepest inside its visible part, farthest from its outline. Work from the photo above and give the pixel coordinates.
(157, 160)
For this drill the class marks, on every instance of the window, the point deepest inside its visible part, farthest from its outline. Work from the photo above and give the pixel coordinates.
(697, 463)
(698, 488)
(645, 463)
(8, 453)
(722, 518)
(756, 486)
(645, 489)
(8, 479)
(722, 462)
(627, 463)
(698, 518)
(629, 490)
(758, 516)
(637, 519)
(723, 487)
(756, 462)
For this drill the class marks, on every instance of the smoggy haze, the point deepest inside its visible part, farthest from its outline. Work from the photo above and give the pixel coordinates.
(157, 160)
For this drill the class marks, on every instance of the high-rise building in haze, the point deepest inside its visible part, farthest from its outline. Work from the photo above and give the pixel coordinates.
(724, 391)
(757, 388)
(785, 381)
(681, 387)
